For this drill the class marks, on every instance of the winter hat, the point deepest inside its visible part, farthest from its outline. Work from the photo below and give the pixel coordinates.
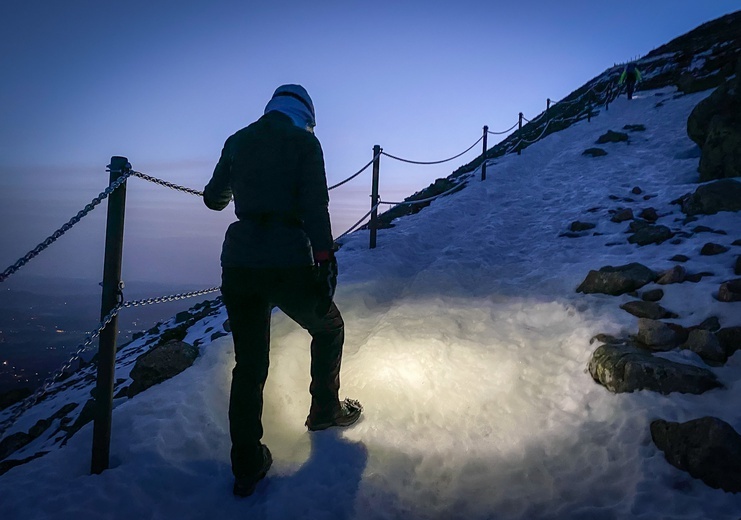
(295, 102)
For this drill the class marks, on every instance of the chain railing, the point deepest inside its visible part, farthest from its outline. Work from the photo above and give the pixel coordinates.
(517, 141)
(62, 230)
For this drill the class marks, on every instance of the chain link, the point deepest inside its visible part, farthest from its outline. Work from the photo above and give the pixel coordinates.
(166, 184)
(434, 162)
(171, 298)
(66, 227)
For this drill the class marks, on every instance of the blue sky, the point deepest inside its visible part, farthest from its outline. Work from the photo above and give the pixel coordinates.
(166, 82)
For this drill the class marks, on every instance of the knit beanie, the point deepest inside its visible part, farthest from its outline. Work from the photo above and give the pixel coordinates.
(295, 102)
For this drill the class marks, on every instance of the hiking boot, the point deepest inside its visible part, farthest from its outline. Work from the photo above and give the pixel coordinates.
(348, 414)
(245, 486)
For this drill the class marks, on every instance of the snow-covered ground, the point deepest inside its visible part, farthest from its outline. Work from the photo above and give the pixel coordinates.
(467, 344)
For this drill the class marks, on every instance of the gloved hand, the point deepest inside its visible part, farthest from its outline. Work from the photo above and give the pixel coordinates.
(326, 277)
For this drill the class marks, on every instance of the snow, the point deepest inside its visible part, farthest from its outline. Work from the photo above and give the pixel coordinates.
(467, 345)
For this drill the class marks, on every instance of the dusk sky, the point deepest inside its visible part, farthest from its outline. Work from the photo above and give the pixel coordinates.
(165, 83)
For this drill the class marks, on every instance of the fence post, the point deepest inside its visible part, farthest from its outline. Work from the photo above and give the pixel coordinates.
(589, 112)
(374, 196)
(547, 108)
(483, 154)
(519, 146)
(110, 298)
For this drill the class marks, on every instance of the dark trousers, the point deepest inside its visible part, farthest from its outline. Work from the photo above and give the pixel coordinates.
(249, 296)
(630, 88)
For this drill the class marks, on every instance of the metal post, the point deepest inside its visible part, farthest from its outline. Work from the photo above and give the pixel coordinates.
(374, 196)
(109, 299)
(519, 146)
(547, 108)
(483, 154)
(589, 112)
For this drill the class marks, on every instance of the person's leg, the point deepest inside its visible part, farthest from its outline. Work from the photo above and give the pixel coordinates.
(630, 87)
(297, 296)
(249, 316)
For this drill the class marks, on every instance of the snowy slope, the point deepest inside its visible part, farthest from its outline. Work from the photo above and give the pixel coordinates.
(467, 345)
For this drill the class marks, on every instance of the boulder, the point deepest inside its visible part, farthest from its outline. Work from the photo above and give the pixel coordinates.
(624, 368)
(159, 364)
(705, 344)
(577, 226)
(646, 309)
(653, 295)
(649, 214)
(612, 137)
(708, 199)
(711, 249)
(712, 324)
(725, 100)
(707, 448)
(730, 291)
(622, 215)
(721, 153)
(737, 266)
(635, 128)
(651, 235)
(679, 258)
(13, 396)
(617, 280)
(657, 335)
(594, 152)
(730, 339)
(676, 274)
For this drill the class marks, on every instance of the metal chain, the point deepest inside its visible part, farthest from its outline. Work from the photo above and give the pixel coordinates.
(503, 131)
(356, 174)
(66, 227)
(171, 298)
(166, 184)
(44, 388)
(434, 162)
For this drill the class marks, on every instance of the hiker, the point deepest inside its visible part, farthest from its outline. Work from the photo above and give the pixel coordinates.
(279, 253)
(630, 76)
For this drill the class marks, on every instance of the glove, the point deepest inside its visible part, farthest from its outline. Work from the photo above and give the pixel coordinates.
(326, 278)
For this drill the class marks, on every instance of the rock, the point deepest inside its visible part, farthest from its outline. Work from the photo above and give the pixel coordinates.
(635, 128)
(651, 235)
(653, 295)
(594, 152)
(696, 277)
(227, 326)
(721, 153)
(715, 125)
(702, 229)
(708, 199)
(737, 266)
(679, 258)
(711, 249)
(617, 280)
(645, 309)
(636, 190)
(689, 83)
(570, 234)
(581, 226)
(623, 368)
(712, 324)
(183, 316)
(706, 345)
(13, 443)
(730, 339)
(622, 215)
(649, 214)
(14, 396)
(638, 224)
(612, 137)
(159, 364)
(736, 242)
(676, 274)
(707, 448)
(657, 335)
(730, 291)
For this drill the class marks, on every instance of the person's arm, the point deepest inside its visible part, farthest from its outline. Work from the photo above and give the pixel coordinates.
(622, 78)
(218, 191)
(639, 76)
(313, 204)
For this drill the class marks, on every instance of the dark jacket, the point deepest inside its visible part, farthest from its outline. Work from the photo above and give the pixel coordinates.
(275, 171)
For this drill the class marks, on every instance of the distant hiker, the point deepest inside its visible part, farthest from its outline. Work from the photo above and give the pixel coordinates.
(279, 253)
(630, 76)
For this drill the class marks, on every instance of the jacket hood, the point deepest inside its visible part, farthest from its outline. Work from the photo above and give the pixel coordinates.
(295, 102)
